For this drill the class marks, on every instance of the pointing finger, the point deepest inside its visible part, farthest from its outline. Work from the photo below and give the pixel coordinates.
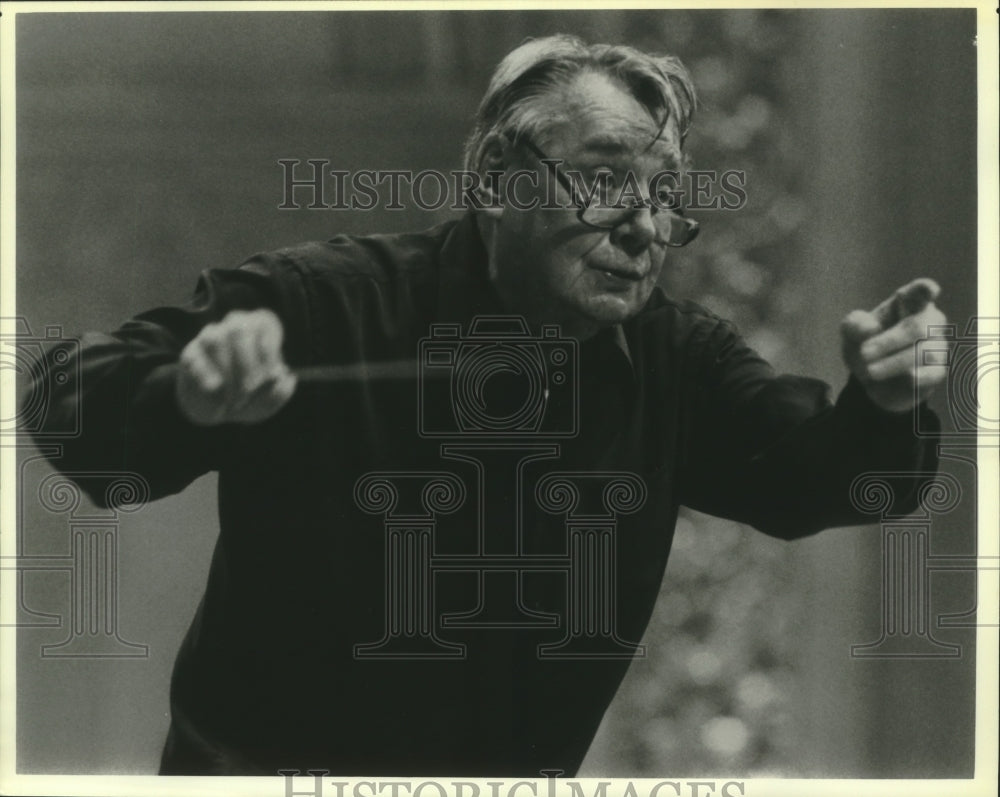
(909, 300)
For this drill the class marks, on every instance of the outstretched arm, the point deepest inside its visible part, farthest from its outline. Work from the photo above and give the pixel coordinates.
(158, 396)
(772, 451)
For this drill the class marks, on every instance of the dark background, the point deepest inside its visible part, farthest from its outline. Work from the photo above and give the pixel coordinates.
(147, 149)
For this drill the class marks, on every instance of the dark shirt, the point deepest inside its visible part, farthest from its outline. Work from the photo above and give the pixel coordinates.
(501, 658)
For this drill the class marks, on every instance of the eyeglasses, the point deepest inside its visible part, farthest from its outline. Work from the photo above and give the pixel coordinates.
(593, 210)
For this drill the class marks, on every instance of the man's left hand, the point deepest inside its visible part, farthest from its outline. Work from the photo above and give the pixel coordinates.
(881, 347)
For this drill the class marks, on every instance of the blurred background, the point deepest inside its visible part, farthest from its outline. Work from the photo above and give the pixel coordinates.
(148, 148)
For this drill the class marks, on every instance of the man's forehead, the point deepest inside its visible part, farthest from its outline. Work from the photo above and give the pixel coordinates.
(651, 142)
(597, 114)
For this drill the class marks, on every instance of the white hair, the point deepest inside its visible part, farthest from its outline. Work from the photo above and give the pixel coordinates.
(659, 82)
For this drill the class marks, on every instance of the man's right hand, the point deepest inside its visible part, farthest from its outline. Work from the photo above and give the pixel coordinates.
(233, 372)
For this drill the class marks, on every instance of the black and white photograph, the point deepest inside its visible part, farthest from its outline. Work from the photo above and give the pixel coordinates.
(491, 400)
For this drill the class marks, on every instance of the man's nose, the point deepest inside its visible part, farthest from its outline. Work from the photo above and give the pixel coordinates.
(636, 233)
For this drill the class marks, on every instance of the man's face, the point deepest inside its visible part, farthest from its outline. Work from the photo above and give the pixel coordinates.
(545, 262)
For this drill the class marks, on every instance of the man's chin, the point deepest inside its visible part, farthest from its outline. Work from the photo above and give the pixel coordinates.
(611, 308)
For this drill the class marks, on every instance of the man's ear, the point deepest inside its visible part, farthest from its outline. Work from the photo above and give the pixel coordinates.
(492, 166)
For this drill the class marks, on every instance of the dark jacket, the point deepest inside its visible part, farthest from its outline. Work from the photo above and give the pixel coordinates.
(482, 631)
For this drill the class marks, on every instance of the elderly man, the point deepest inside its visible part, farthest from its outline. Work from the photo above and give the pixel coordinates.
(500, 650)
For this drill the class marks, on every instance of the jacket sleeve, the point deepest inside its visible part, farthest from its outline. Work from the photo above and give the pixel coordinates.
(121, 402)
(774, 452)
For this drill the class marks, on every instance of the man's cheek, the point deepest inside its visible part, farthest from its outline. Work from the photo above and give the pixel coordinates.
(561, 280)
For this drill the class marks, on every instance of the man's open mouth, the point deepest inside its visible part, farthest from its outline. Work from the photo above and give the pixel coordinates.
(619, 274)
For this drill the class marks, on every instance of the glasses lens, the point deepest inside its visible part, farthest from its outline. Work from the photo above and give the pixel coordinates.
(672, 229)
